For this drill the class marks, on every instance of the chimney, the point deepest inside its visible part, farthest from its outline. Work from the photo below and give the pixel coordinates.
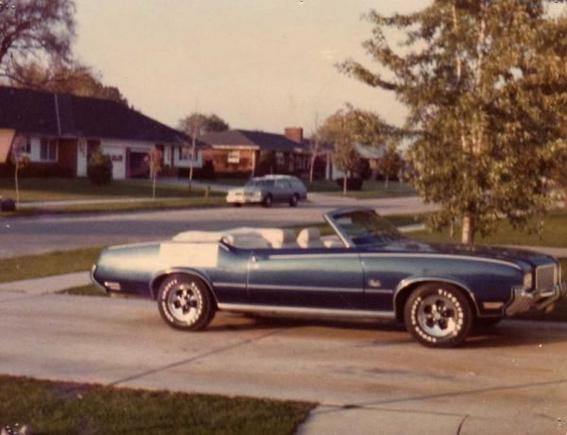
(294, 134)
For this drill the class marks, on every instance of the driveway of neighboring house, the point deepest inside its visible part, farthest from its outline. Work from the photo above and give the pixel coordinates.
(22, 236)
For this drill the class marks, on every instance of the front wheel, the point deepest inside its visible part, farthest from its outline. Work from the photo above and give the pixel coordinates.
(438, 315)
(185, 303)
(268, 201)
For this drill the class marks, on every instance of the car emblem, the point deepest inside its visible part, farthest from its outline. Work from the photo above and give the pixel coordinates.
(375, 283)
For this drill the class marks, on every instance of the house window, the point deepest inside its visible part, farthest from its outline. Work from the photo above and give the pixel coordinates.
(233, 157)
(48, 150)
(280, 158)
(184, 153)
(27, 148)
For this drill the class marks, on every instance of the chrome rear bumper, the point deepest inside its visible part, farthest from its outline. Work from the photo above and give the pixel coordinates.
(536, 300)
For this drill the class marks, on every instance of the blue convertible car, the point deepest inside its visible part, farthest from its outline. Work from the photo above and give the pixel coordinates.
(367, 269)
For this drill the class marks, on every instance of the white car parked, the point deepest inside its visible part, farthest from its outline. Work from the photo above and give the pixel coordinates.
(269, 189)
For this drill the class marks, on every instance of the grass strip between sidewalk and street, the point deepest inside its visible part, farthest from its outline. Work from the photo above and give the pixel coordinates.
(118, 207)
(67, 408)
(69, 189)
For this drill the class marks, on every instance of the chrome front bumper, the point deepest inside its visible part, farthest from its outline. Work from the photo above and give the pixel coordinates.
(536, 300)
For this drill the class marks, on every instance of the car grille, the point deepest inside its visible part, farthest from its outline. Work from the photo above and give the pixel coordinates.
(546, 276)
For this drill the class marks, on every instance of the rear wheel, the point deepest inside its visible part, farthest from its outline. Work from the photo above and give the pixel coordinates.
(438, 315)
(294, 200)
(268, 201)
(185, 303)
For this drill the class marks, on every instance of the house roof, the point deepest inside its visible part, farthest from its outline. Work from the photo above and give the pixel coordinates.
(37, 112)
(252, 139)
(368, 152)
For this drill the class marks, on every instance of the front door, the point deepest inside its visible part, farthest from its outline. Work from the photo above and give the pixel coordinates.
(326, 278)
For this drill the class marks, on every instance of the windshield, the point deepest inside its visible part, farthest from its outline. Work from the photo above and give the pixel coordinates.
(259, 183)
(365, 227)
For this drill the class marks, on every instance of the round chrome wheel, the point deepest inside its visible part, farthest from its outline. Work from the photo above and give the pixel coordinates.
(438, 315)
(185, 302)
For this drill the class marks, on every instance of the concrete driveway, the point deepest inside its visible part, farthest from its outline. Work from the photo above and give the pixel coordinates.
(369, 378)
(43, 234)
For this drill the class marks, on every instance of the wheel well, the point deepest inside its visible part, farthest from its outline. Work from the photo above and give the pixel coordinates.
(405, 293)
(158, 281)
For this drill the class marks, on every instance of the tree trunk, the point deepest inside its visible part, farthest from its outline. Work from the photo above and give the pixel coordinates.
(154, 187)
(17, 184)
(467, 235)
(193, 144)
(345, 178)
(312, 168)
(387, 182)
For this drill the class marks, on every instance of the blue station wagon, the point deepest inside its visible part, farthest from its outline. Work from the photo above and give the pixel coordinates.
(365, 270)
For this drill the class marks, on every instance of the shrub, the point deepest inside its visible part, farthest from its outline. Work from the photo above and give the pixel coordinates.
(352, 183)
(207, 172)
(99, 168)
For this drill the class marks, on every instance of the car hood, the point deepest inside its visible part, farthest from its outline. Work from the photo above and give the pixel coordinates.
(522, 257)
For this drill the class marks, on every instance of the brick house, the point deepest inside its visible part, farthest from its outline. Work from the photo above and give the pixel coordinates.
(60, 131)
(246, 152)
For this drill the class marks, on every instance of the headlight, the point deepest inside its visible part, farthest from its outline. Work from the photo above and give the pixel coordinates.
(528, 280)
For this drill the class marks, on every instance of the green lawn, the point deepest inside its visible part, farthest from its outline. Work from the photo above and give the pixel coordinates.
(377, 189)
(236, 182)
(370, 189)
(68, 408)
(554, 234)
(116, 207)
(54, 263)
(61, 189)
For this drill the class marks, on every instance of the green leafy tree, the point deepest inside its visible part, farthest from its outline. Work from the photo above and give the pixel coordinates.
(205, 123)
(99, 168)
(344, 129)
(484, 82)
(390, 164)
(32, 29)
(73, 79)
(194, 126)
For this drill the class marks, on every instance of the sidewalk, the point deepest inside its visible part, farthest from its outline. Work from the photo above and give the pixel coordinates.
(49, 284)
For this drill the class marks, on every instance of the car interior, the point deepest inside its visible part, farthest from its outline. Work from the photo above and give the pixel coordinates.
(263, 238)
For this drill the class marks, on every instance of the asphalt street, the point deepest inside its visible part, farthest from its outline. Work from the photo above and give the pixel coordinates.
(21, 236)
(369, 378)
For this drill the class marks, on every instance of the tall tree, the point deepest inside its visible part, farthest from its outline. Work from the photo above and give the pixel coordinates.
(344, 129)
(19, 159)
(154, 158)
(205, 123)
(197, 124)
(73, 79)
(390, 164)
(35, 29)
(485, 83)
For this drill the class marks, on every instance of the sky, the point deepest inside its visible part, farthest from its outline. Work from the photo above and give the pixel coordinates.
(259, 64)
